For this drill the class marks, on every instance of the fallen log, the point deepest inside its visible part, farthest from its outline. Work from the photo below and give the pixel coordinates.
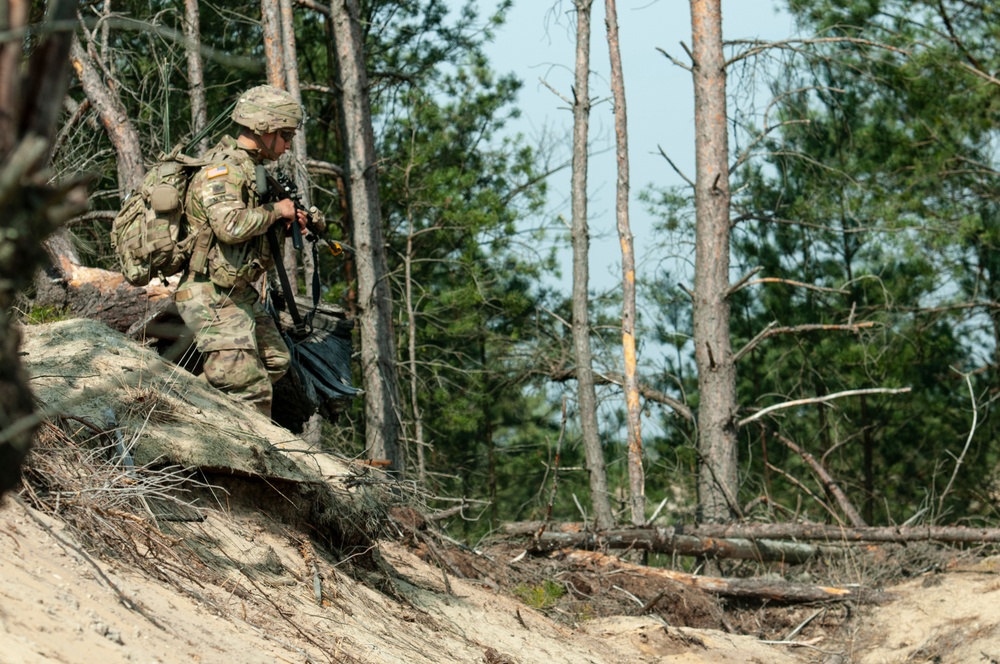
(665, 540)
(769, 590)
(97, 294)
(825, 533)
(783, 531)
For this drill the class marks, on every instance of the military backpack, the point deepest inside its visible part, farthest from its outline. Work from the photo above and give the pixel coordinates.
(151, 235)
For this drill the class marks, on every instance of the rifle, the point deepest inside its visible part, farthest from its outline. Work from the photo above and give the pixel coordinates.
(286, 186)
(274, 188)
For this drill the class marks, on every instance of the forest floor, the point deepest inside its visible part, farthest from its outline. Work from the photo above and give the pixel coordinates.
(102, 565)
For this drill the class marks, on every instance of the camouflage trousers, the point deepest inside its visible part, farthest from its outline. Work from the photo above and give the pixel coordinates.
(241, 346)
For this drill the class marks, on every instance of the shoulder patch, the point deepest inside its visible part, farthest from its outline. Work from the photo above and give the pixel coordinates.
(217, 171)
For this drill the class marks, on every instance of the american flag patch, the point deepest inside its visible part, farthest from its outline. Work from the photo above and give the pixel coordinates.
(216, 171)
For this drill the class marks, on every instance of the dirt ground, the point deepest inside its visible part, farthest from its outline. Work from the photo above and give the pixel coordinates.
(62, 604)
(101, 565)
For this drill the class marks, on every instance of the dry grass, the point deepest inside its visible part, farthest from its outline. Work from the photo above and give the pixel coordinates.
(113, 509)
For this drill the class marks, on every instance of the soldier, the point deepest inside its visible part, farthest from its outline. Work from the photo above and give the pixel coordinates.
(242, 348)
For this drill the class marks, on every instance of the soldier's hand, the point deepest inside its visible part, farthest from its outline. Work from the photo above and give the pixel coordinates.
(286, 208)
(289, 212)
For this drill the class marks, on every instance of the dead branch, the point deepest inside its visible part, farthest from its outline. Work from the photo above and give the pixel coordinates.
(756, 589)
(771, 331)
(617, 379)
(825, 533)
(804, 489)
(829, 397)
(968, 441)
(787, 282)
(828, 483)
(759, 46)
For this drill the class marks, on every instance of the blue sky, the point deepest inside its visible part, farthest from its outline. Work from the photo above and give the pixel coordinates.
(538, 44)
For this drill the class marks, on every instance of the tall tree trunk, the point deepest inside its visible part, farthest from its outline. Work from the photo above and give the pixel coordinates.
(717, 477)
(275, 56)
(636, 476)
(587, 393)
(411, 336)
(274, 53)
(378, 341)
(299, 152)
(114, 118)
(31, 207)
(196, 72)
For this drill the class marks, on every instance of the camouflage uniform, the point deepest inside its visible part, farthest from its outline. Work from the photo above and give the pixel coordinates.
(243, 350)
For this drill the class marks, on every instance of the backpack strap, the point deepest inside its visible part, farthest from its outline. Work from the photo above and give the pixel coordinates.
(202, 244)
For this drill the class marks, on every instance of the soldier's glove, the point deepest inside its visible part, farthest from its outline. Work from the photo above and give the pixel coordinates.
(318, 219)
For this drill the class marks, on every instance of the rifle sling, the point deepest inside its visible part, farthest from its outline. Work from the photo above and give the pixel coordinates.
(286, 287)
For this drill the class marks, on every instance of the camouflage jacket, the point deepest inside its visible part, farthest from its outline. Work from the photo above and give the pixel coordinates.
(224, 195)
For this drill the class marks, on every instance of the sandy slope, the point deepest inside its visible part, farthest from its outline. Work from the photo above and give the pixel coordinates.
(55, 607)
(242, 585)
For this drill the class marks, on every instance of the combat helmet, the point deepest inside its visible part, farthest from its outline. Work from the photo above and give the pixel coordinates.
(265, 108)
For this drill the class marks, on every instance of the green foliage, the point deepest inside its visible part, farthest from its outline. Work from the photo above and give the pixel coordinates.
(39, 315)
(542, 596)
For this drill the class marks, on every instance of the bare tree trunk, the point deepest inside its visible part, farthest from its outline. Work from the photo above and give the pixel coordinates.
(31, 207)
(411, 320)
(299, 151)
(378, 341)
(274, 53)
(13, 16)
(586, 392)
(636, 476)
(114, 118)
(196, 72)
(717, 477)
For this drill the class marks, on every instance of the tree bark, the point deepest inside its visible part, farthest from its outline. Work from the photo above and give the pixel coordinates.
(31, 207)
(114, 118)
(784, 531)
(10, 79)
(636, 475)
(819, 532)
(102, 295)
(586, 392)
(196, 71)
(274, 53)
(378, 341)
(779, 592)
(717, 476)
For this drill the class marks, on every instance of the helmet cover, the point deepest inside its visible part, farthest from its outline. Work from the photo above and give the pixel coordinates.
(265, 108)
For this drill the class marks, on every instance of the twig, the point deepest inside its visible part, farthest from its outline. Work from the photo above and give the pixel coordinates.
(789, 282)
(651, 603)
(674, 166)
(630, 595)
(122, 599)
(555, 92)
(968, 441)
(744, 279)
(583, 512)
(656, 512)
(828, 483)
(805, 622)
(675, 60)
(555, 474)
(805, 489)
(829, 397)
